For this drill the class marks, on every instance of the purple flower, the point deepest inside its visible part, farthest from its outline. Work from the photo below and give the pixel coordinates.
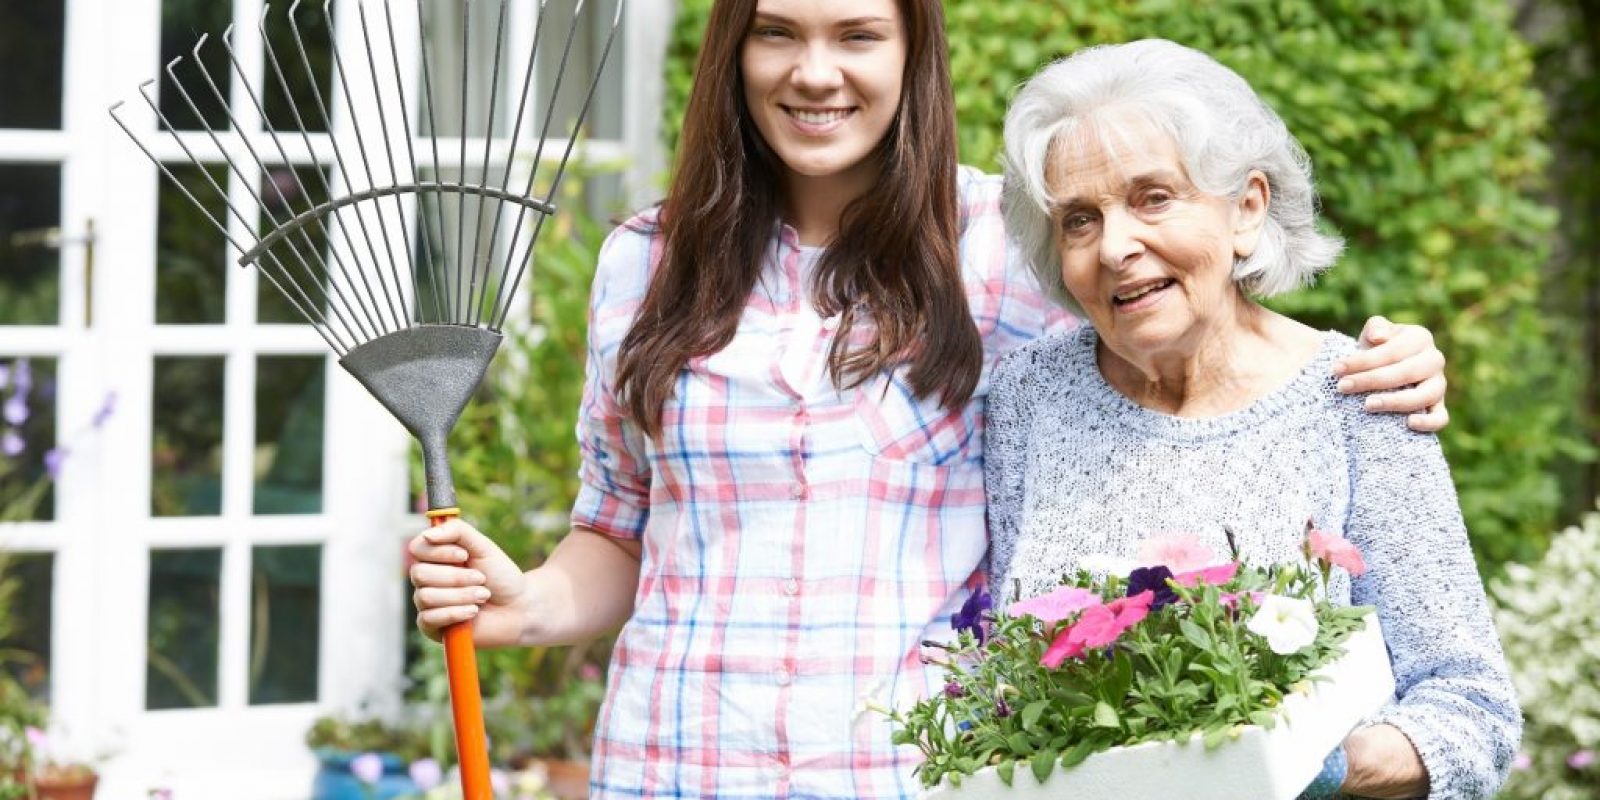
(22, 371)
(12, 444)
(970, 617)
(108, 406)
(367, 767)
(16, 408)
(1153, 579)
(1001, 708)
(5, 375)
(1583, 759)
(52, 461)
(954, 689)
(425, 773)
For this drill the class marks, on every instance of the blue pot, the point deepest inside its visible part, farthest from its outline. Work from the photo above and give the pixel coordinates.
(335, 781)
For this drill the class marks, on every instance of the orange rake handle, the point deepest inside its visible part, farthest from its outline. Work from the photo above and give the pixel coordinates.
(466, 699)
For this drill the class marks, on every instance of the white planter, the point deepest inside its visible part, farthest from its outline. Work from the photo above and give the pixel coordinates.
(1260, 764)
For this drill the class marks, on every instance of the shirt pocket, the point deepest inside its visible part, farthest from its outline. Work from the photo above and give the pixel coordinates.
(896, 425)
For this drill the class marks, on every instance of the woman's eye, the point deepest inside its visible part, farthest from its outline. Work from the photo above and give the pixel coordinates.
(863, 36)
(1156, 199)
(771, 33)
(1074, 223)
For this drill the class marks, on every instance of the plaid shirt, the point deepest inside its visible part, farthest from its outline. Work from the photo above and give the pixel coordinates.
(799, 541)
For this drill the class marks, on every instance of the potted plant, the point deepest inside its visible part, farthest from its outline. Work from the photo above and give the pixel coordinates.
(365, 759)
(1169, 680)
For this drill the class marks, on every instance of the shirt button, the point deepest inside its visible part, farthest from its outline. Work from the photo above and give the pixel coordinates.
(785, 677)
(791, 587)
(797, 490)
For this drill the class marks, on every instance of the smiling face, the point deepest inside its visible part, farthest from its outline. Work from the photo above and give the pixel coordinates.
(1146, 254)
(822, 80)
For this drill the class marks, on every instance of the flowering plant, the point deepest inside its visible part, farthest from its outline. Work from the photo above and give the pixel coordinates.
(1179, 647)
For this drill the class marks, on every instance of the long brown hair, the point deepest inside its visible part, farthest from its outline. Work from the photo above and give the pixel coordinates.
(894, 264)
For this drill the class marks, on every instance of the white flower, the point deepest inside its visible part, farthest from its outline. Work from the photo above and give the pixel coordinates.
(1289, 624)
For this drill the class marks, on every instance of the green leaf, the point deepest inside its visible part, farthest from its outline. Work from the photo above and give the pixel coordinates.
(1078, 752)
(1105, 716)
(1031, 713)
(1005, 769)
(1042, 763)
(1195, 634)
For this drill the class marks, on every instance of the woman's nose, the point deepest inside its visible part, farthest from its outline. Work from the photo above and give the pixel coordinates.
(1119, 238)
(818, 69)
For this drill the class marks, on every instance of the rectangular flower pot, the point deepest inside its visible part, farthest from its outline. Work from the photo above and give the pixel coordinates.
(1260, 764)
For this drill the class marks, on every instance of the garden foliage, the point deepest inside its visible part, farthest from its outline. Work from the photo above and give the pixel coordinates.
(1549, 620)
(1427, 137)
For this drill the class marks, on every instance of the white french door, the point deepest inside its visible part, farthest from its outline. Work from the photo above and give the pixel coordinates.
(217, 558)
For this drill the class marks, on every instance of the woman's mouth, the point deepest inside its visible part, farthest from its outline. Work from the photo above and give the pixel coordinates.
(817, 121)
(1141, 295)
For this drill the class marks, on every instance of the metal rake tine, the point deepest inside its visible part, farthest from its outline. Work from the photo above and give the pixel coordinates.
(337, 347)
(516, 135)
(461, 215)
(388, 148)
(261, 165)
(283, 85)
(366, 165)
(561, 168)
(416, 176)
(338, 154)
(488, 142)
(538, 154)
(249, 180)
(433, 136)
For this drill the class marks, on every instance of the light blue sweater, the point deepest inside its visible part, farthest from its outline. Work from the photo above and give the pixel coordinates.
(1074, 469)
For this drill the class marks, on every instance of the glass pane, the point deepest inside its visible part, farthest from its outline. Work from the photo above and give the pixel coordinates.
(28, 458)
(186, 437)
(181, 645)
(30, 217)
(26, 582)
(314, 38)
(286, 193)
(191, 254)
(182, 23)
(289, 414)
(285, 623)
(31, 42)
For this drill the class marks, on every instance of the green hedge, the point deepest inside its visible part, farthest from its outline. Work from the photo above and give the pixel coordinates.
(1428, 140)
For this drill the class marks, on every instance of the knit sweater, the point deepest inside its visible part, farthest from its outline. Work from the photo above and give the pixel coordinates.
(1074, 468)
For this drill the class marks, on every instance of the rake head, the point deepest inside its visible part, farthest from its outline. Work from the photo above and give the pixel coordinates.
(409, 267)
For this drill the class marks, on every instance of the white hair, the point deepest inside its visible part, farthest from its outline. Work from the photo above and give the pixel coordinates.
(1222, 131)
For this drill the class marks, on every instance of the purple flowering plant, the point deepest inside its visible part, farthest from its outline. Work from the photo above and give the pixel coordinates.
(24, 482)
(1164, 652)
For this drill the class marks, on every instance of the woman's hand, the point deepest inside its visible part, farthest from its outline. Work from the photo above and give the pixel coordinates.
(1405, 369)
(462, 575)
(1383, 764)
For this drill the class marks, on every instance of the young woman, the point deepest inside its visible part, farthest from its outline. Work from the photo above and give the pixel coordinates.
(782, 425)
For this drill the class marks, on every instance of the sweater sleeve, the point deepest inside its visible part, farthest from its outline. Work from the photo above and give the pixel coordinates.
(1005, 459)
(1454, 698)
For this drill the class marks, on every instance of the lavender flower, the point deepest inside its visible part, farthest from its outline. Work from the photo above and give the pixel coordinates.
(52, 461)
(15, 410)
(108, 407)
(425, 773)
(12, 444)
(5, 375)
(367, 767)
(22, 373)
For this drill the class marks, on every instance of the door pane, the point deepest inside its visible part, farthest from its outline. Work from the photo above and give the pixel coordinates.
(191, 254)
(27, 580)
(287, 193)
(186, 437)
(289, 414)
(285, 623)
(32, 40)
(313, 25)
(28, 458)
(30, 218)
(182, 23)
(181, 644)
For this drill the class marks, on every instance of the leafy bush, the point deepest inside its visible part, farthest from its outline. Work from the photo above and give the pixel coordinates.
(1426, 132)
(1549, 620)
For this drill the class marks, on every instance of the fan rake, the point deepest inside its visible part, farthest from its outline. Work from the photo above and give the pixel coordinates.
(413, 312)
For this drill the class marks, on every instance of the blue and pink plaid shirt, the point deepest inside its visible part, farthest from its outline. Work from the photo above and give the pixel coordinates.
(799, 541)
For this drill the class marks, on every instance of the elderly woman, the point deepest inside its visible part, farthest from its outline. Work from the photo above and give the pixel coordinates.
(1159, 197)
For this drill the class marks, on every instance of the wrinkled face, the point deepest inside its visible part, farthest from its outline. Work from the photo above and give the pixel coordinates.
(1148, 256)
(822, 80)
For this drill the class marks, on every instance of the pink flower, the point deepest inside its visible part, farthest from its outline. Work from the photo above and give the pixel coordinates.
(1179, 552)
(1057, 605)
(1583, 759)
(1335, 550)
(1216, 576)
(1229, 599)
(367, 767)
(1098, 626)
(425, 773)
(36, 738)
(589, 672)
(1521, 762)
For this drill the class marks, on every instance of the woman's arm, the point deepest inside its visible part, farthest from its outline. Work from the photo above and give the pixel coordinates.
(1456, 709)
(1403, 371)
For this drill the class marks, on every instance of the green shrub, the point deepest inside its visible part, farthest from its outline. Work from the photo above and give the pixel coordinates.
(1549, 620)
(1427, 137)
